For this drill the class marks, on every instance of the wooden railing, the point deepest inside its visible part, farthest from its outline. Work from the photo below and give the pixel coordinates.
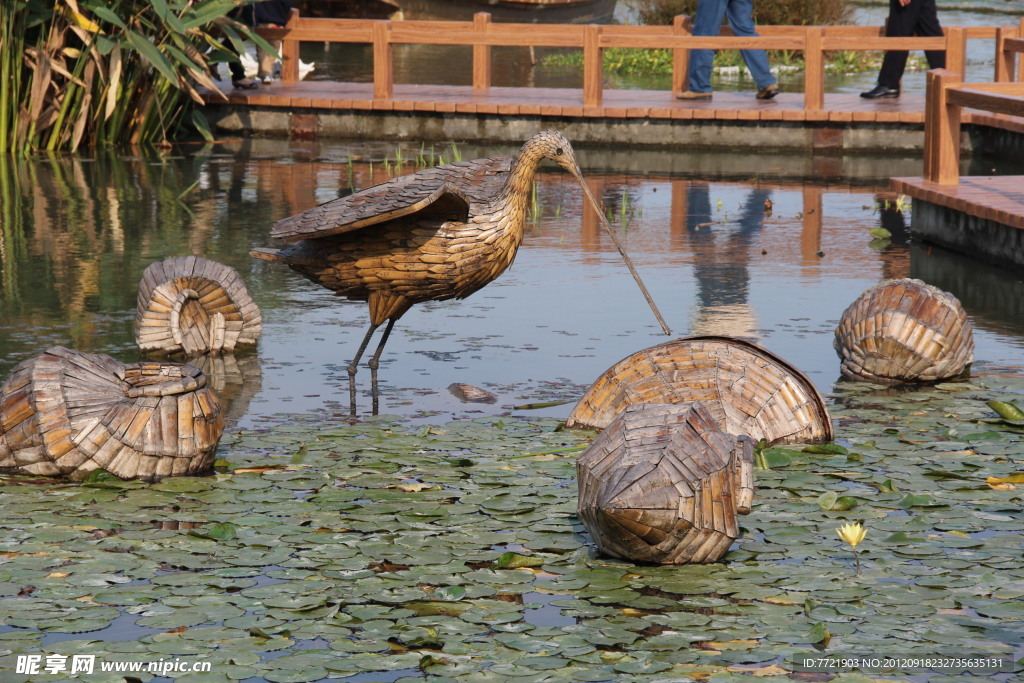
(947, 95)
(482, 34)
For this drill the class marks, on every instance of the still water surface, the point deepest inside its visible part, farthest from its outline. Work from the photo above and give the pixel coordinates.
(77, 234)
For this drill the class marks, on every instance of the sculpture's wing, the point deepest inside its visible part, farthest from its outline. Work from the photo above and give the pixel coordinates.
(445, 192)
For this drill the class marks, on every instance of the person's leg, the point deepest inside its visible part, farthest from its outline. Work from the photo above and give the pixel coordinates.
(266, 60)
(901, 23)
(928, 25)
(740, 14)
(708, 22)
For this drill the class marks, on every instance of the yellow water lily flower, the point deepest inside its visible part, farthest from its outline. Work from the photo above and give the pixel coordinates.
(852, 533)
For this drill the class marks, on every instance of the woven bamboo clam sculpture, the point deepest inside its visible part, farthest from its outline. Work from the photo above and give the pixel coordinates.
(664, 484)
(194, 305)
(440, 233)
(904, 331)
(747, 389)
(67, 413)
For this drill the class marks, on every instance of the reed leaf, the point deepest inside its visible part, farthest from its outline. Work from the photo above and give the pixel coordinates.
(100, 72)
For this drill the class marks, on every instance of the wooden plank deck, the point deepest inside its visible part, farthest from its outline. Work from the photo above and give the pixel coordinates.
(993, 198)
(568, 102)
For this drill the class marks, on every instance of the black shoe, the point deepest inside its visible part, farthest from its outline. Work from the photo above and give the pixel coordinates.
(881, 92)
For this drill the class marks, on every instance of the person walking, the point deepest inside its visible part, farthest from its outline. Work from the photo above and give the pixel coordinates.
(270, 14)
(708, 22)
(906, 18)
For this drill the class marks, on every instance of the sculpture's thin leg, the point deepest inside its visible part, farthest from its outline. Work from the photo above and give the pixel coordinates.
(352, 369)
(375, 363)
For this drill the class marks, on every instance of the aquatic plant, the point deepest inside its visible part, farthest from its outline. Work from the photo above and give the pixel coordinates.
(853, 534)
(98, 73)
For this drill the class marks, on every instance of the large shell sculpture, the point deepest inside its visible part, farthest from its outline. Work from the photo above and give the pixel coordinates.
(64, 412)
(196, 306)
(747, 389)
(664, 484)
(904, 331)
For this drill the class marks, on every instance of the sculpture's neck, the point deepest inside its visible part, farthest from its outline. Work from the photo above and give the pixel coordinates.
(517, 190)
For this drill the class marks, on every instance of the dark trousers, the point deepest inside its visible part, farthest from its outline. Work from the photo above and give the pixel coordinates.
(918, 17)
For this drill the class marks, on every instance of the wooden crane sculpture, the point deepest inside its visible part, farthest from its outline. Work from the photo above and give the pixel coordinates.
(440, 233)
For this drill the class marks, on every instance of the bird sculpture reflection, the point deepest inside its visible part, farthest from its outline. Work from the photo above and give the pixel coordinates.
(436, 234)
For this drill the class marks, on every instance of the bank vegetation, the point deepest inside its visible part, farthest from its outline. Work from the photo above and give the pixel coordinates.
(90, 73)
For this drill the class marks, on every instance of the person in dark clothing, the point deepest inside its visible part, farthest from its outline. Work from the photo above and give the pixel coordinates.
(243, 15)
(906, 18)
(270, 14)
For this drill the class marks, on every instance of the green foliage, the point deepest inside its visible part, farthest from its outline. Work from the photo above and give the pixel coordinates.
(96, 72)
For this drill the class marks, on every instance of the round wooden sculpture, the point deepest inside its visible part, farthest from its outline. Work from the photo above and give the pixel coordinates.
(664, 484)
(904, 331)
(67, 413)
(194, 305)
(747, 389)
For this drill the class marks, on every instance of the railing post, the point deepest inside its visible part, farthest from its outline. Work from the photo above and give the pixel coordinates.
(814, 69)
(1020, 58)
(1004, 58)
(383, 61)
(682, 25)
(593, 68)
(481, 53)
(290, 51)
(956, 50)
(941, 129)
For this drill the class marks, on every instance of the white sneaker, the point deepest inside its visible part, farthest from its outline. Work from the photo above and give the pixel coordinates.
(267, 80)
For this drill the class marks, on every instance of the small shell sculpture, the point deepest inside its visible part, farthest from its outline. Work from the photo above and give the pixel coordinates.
(664, 484)
(66, 413)
(194, 305)
(747, 389)
(904, 331)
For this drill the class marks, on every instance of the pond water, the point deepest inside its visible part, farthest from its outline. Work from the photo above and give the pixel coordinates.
(78, 233)
(517, 67)
(443, 540)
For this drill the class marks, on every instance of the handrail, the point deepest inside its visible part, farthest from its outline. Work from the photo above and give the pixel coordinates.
(946, 97)
(482, 34)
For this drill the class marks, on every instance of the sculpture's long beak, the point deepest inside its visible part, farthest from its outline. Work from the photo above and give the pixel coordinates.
(618, 245)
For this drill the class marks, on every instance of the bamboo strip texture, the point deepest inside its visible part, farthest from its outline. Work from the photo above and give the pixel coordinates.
(67, 413)
(746, 389)
(196, 306)
(904, 331)
(663, 484)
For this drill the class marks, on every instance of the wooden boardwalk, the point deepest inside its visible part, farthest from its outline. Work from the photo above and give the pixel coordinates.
(568, 102)
(993, 198)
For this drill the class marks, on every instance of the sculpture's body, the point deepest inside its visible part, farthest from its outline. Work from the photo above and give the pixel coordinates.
(440, 233)
(194, 305)
(747, 389)
(664, 484)
(67, 413)
(904, 331)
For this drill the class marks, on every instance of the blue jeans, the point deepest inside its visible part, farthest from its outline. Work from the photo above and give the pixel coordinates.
(708, 22)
